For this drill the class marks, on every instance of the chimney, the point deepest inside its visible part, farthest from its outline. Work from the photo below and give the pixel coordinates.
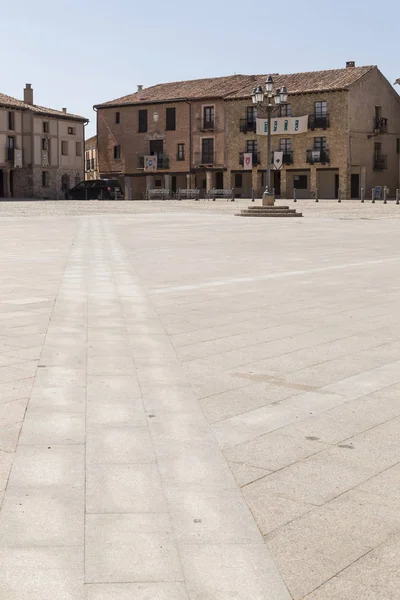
(350, 64)
(64, 110)
(139, 91)
(28, 94)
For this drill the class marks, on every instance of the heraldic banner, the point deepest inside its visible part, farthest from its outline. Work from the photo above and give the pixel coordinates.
(283, 125)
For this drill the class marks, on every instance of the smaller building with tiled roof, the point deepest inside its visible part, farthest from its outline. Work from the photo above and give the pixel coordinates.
(41, 149)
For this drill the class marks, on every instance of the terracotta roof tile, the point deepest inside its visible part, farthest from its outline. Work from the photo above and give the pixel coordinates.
(181, 90)
(15, 103)
(315, 81)
(241, 86)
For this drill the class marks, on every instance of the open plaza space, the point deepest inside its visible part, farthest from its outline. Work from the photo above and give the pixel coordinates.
(196, 406)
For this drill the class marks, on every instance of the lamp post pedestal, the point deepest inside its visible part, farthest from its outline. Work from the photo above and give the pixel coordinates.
(268, 199)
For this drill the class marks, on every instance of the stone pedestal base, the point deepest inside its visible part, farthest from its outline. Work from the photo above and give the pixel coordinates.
(268, 200)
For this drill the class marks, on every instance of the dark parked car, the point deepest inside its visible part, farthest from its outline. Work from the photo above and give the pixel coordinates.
(96, 189)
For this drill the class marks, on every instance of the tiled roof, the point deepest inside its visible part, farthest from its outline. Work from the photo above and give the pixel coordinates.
(181, 90)
(11, 102)
(314, 81)
(241, 86)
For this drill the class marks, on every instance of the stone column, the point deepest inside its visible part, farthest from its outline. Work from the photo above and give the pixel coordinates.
(344, 183)
(209, 181)
(188, 181)
(227, 178)
(254, 182)
(283, 183)
(128, 188)
(149, 182)
(313, 180)
(167, 181)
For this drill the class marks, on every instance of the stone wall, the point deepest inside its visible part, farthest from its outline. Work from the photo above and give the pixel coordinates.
(302, 104)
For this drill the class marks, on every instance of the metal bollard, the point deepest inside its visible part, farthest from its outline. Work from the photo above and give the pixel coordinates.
(316, 195)
(385, 195)
(362, 195)
(397, 197)
(373, 195)
(294, 195)
(339, 196)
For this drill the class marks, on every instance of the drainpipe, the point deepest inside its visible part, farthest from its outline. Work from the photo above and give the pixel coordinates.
(190, 138)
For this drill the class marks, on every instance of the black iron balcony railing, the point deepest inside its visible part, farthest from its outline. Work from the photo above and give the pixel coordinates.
(206, 124)
(256, 158)
(162, 162)
(380, 162)
(10, 153)
(318, 121)
(204, 158)
(287, 157)
(380, 125)
(247, 126)
(317, 156)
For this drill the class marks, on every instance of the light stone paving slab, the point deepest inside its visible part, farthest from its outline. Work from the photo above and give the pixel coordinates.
(133, 333)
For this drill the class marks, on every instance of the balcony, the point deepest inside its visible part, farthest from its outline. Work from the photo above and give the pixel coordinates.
(318, 122)
(247, 126)
(288, 157)
(380, 162)
(162, 162)
(204, 159)
(10, 153)
(318, 156)
(206, 125)
(256, 158)
(380, 125)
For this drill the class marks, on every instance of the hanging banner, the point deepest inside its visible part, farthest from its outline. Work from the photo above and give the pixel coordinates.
(248, 160)
(150, 163)
(283, 125)
(17, 158)
(277, 161)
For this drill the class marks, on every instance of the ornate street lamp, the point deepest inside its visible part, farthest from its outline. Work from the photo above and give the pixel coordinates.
(264, 101)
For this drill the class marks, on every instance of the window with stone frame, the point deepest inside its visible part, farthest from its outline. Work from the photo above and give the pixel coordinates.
(320, 109)
(180, 152)
(285, 110)
(320, 143)
(285, 145)
(252, 146)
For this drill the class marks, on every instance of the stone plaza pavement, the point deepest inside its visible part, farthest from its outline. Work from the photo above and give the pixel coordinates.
(195, 406)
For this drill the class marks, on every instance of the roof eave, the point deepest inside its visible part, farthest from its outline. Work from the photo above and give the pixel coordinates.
(140, 103)
(322, 91)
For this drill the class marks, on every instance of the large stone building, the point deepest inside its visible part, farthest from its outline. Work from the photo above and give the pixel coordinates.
(199, 130)
(91, 163)
(41, 149)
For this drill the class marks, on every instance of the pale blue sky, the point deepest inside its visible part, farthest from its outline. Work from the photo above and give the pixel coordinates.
(83, 52)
